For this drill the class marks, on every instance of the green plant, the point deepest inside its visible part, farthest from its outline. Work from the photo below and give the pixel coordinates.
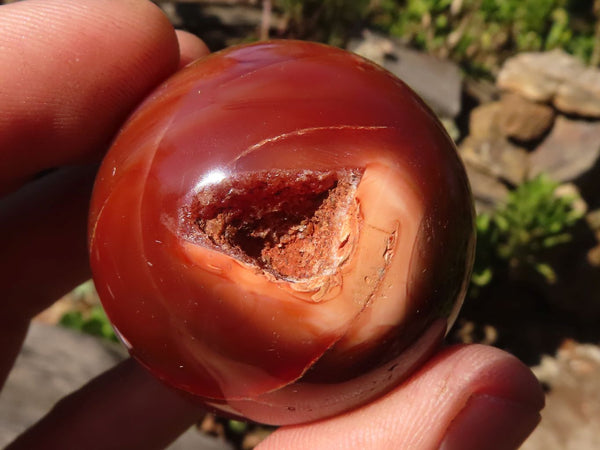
(482, 33)
(519, 234)
(237, 426)
(329, 21)
(94, 322)
(485, 255)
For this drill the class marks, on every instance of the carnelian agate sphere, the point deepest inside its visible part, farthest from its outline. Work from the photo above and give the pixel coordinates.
(283, 230)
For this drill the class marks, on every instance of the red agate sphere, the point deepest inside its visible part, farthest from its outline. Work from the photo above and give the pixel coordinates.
(283, 230)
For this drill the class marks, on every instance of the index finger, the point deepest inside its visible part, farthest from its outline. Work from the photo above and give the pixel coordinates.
(72, 71)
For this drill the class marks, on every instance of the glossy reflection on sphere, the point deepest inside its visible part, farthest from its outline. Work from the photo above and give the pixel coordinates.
(283, 230)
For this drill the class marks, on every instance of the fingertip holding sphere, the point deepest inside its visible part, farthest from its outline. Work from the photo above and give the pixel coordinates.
(282, 229)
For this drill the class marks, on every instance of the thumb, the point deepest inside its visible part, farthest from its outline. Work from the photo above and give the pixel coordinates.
(466, 397)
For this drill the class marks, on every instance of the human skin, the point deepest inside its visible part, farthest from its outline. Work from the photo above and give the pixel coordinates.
(72, 72)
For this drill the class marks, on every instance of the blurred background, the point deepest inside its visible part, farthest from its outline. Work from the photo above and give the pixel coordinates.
(517, 85)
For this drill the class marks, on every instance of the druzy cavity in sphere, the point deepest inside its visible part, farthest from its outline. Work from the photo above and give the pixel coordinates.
(283, 230)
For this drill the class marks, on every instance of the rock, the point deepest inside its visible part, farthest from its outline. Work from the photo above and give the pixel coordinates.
(231, 14)
(571, 417)
(496, 156)
(512, 116)
(537, 76)
(483, 121)
(193, 439)
(221, 23)
(487, 190)
(373, 46)
(573, 194)
(593, 220)
(239, 15)
(580, 95)
(54, 362)
(524, 120)
(482, 91)
(437, 81)
(556, 77)
(570, 151)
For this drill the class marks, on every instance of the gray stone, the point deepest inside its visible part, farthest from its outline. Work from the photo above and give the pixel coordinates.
(228, 13)
(537, 76)
(487, 190)
(497, 157)
(240, 15)
(193, 439)
(571, 417)
(373, 46)
(571, 192)
(483, 121)
(437, 81)
(512, 116)
(483, 91)
(571, 150)
(54, 362)
(556, 77)
(522, 119)
(580, 95)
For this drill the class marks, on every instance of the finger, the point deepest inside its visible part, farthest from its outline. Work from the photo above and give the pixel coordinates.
(469, 397)
(72, 71)
(190, 48)
(125, 408)
(44, 252)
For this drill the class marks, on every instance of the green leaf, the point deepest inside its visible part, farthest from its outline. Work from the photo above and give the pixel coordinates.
(94, 322)
(521, 232)
(72, 319)
(546, 271)
(237, 426)
(482, 278)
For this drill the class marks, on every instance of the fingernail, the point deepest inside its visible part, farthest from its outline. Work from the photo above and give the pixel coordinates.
(491, 423)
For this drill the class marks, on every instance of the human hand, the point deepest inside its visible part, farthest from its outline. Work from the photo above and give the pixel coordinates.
(73, 71)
